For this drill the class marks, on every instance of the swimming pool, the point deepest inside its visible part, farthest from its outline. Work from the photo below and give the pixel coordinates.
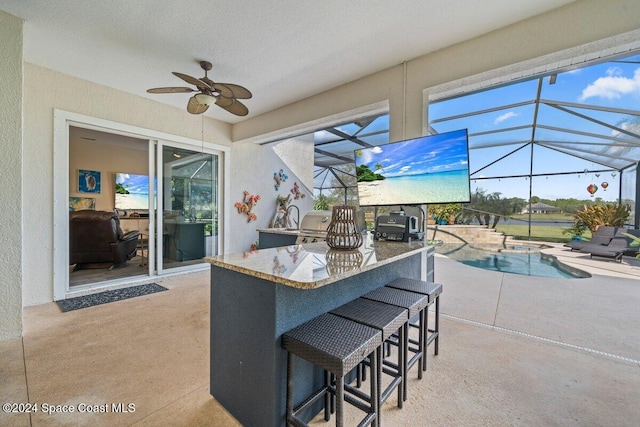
(526, 260)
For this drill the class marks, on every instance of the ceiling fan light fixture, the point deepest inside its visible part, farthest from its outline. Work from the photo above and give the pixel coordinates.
(205, 99)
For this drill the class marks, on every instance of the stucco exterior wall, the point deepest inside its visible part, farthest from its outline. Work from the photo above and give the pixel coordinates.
(573, 25)
(252, 169)
(11, 177)
(46, 90)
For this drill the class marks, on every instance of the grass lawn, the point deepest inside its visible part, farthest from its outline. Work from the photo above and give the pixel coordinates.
(545, 233)
(544, 217)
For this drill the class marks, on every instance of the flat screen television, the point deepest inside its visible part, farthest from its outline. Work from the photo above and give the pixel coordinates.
(425, 170)
(132, 191)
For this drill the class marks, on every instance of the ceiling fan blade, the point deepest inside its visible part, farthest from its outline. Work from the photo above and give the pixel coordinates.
(170, 90)
(239, 92)
(237, 108)
(223, 90)
(196, 82)
(194, 107)
(223, 102)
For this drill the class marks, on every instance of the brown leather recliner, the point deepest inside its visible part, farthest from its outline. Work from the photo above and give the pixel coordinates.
(96, 237)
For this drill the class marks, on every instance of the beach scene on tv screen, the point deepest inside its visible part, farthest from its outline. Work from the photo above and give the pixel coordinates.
(432, 169)
(132, 191)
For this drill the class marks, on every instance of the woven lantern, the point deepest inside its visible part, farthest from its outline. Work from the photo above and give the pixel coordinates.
(341, 261)
(343, 231)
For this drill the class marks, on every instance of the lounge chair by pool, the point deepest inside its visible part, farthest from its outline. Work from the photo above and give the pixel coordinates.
(602, 236)
(618, 246)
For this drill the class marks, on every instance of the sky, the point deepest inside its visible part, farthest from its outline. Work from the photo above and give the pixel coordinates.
(610, 85)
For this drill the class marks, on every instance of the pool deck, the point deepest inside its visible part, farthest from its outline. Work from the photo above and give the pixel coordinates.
(628, 268)
(582, 334)
(598, 314)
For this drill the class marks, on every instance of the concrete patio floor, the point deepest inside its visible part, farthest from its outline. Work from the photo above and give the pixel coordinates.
(515, 350)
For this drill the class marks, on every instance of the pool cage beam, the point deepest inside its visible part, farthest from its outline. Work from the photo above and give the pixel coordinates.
(348, 137)
(560, 105)
(636, 223)
(596, 121)
(578, 150)
(499, 159)
(487, 110)
(538, 175)
(533, 138)
(490, 132)
(590, 134)
(332, 170)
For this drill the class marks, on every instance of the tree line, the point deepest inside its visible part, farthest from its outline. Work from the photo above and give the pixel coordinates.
(489, 208)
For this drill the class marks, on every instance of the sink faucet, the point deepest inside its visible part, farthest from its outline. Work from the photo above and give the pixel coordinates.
(298, 218)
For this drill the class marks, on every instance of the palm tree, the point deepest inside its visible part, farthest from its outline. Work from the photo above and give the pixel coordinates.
(378, 167)
(488, 209)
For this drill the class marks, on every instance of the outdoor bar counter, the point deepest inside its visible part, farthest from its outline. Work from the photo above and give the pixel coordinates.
(259, 295)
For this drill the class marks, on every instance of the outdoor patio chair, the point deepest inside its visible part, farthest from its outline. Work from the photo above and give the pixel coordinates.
(634, 250)
(618, 246)
(602, 236)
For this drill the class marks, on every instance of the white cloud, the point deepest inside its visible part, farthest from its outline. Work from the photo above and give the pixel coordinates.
(504, 117)
(366, 156)
(631, 127)
(613, 86)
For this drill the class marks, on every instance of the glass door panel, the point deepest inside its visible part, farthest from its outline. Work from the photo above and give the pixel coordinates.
(189, 207)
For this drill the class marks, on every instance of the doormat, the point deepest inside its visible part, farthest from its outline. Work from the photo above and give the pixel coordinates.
(105, 297)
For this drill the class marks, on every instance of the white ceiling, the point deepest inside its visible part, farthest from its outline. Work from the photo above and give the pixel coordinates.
(283, 50)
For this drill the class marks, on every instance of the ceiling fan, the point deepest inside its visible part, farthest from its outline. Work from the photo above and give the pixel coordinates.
(224, 95)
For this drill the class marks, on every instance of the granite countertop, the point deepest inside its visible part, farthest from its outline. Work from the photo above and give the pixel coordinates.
(312, 265)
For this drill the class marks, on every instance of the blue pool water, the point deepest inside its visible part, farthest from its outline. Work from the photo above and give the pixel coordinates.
(517, 260)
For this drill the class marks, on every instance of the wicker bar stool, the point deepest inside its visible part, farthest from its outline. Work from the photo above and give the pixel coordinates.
(390, 320)
(432, 291)
(415, 305)
(337, 345)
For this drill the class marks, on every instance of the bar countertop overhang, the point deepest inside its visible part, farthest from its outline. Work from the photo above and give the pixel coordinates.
(312, 265)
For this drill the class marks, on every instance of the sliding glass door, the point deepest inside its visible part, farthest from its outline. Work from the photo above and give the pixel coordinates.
(188, 197)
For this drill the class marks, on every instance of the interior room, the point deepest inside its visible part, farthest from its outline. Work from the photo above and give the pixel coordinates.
(185, 145)
(119, 168)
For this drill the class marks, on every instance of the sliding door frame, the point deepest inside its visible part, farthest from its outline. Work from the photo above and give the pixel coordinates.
(62, 121)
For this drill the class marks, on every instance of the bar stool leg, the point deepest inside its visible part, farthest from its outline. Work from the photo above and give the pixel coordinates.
(328, 403)
(422, 341)
(332, 380)
(437, 325)
(425, 336)
(402, 364)
(405, 370)
(339, 402)
(376, 388)
(289, 387)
